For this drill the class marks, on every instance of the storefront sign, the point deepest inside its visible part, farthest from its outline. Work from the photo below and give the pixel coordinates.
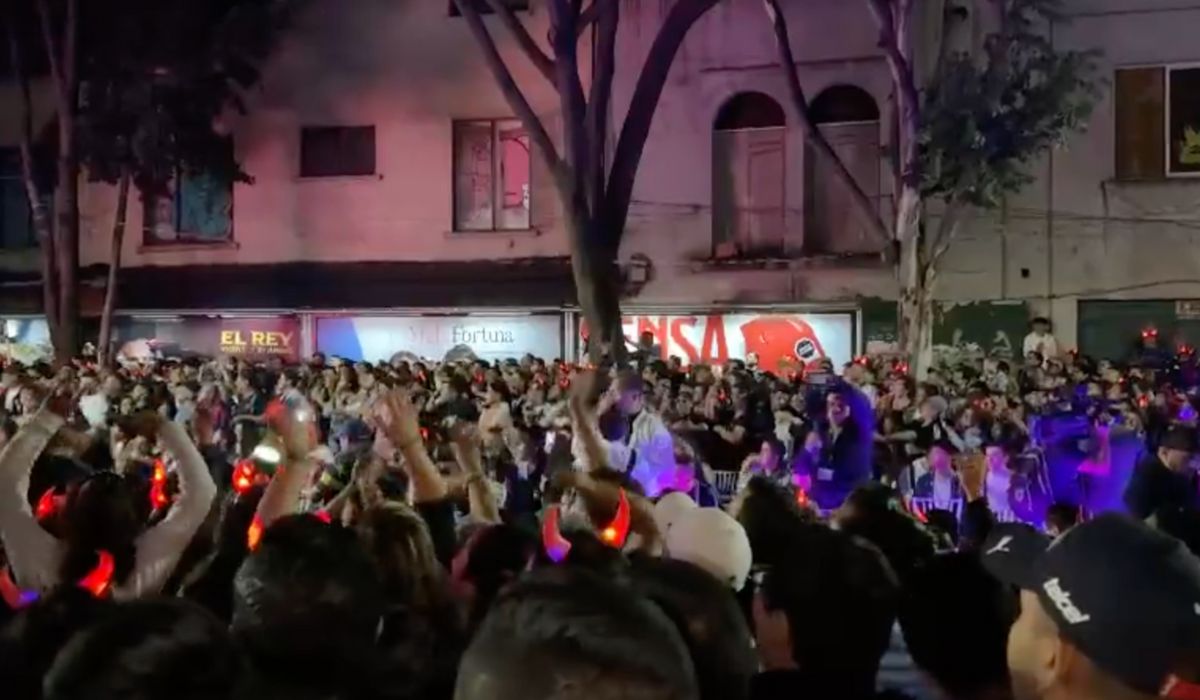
(380, 338)
(26, 340)
(775, 338)
(255, 338)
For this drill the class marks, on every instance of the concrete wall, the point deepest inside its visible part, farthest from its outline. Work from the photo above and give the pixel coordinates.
(1076, 233)
(409, 69)
(732, 50)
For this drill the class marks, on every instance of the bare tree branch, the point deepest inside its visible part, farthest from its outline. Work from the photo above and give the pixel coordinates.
(632, 140)
(590, 15)
(601, 94)
(512, 94)
(37, 206)
(864, 208)
(47, 26)
(893, 30)
(528, 45)
(563, 17)
(940, 242)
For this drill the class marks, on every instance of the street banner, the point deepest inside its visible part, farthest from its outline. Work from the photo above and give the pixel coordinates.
(779, 339)
(251, 338)
(439, 338)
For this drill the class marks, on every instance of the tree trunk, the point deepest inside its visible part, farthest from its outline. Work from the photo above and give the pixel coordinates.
(916, 300)
(42, 224)
(104, 343)
(598, 288)
(66, 253)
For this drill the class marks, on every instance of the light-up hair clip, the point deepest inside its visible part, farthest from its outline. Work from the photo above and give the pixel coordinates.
(617, 531)
(557, 547)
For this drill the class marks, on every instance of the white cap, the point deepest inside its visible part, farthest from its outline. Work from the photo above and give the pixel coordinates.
(711, 539)
(670, 508)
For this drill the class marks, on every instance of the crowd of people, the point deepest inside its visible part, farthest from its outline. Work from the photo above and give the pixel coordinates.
(536, 529)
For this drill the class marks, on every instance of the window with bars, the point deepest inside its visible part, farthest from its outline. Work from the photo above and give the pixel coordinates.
(492, 169)
(1157, 122)
(337, 151)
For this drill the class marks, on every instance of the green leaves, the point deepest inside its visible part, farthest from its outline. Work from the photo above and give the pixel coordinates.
(156, 78)
(985, 121)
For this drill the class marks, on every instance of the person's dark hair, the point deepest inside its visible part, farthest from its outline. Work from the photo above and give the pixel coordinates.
(493, 557)
(211, 583)
(460, 384)
(32, 639)
(708, 617)
(501, 388)
(770, 515)
(841, 612)
(1062, 516)
(103, 513)
(148, 650)
(602, 640)
(872, 512)
(309, 598)
(955, 618)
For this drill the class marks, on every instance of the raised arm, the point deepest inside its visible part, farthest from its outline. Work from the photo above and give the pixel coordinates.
(398, 418)
(159, 548)
(30, 549)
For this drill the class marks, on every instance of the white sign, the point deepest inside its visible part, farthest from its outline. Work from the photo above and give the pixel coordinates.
(379, 338)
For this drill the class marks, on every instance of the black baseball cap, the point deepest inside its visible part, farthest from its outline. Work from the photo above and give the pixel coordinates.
(1124, 594)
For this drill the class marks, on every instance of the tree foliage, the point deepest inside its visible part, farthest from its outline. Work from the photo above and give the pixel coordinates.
(985, 120)
(158, 76)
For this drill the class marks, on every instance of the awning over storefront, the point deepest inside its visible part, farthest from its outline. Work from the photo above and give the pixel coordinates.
(539, 282)
(543, 282)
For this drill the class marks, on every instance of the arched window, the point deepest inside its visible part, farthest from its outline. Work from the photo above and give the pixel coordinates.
(749, 157)
(849, 119)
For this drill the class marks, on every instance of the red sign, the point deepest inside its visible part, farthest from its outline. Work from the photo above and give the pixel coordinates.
(777, 339)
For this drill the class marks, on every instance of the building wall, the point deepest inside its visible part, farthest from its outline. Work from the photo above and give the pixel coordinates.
(410, 70)
(732, 50)
(407, 68)
(1077, 233)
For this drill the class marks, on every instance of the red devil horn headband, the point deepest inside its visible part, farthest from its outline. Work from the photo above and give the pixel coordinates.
(99, 579)
(557, 547)
(618, 530)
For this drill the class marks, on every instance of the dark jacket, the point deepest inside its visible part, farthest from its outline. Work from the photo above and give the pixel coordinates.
(1154, 487)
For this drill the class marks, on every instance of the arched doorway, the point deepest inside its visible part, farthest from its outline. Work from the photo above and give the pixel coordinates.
(749, 174)
(848, 117)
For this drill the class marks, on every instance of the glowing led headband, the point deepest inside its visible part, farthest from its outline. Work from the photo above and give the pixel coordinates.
(618, 530)
(557, 547)
(158, 486)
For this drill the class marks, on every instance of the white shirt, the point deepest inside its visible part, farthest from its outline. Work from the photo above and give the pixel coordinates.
(1043, 343)
(650, 448)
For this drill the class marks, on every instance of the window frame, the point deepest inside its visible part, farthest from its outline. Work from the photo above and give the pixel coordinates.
(343, 127)
(1169, 68)
(452, 9)
(495, 123)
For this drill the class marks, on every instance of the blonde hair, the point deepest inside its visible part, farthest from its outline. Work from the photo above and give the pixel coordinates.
(398, 540)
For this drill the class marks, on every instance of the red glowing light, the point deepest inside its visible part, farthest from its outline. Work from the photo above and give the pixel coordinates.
(617, 531)
(254, 534)
(324, 516)
(244, 475)
(158, 486)
(46, 505)
(99, 579)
